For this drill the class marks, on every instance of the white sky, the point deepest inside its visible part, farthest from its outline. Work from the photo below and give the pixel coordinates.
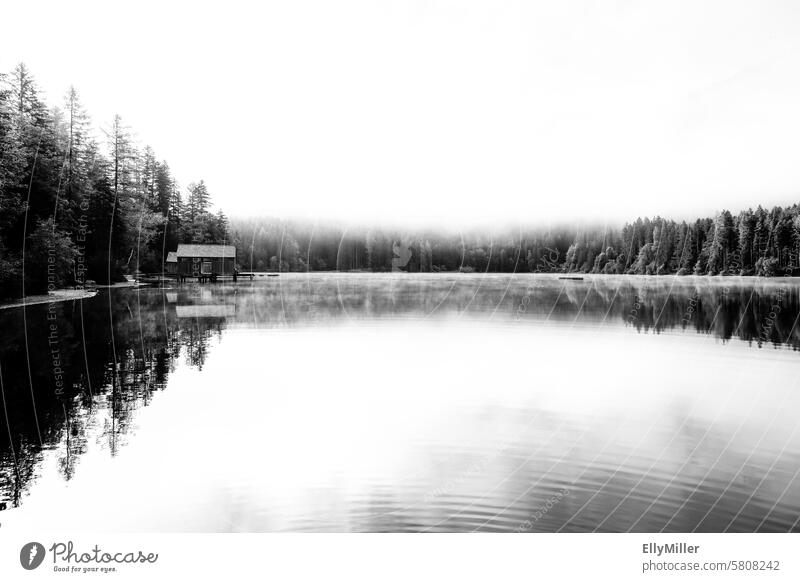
(445, 113)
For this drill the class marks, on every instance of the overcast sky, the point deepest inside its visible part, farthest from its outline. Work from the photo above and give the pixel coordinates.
(445, 113)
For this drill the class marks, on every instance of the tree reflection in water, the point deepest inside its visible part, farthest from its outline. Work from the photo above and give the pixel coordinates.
(80, 368)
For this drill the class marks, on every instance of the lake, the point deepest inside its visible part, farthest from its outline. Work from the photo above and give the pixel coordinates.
(403, 402)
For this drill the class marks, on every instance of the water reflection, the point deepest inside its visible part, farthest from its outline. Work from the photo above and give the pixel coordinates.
(755, 310)
(66, 368)
(75, 375)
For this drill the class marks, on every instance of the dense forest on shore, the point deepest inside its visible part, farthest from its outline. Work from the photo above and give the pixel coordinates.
(77, 207)
(74, 207)
(754, 242)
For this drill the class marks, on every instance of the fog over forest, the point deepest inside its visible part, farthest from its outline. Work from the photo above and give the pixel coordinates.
(75, 207)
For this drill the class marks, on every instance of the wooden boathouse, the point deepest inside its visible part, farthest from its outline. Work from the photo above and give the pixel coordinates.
(206, 262)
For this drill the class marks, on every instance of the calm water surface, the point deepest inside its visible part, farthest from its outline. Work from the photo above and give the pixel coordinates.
(361, 402)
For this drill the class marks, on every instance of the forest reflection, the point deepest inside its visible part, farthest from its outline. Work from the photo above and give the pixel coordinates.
(760, 311)
(77, 370)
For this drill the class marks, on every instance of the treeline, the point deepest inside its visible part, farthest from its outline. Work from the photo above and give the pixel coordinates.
(754, 242)
(74, 207)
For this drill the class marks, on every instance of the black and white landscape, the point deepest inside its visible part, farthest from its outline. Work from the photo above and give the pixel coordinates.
(400, 267)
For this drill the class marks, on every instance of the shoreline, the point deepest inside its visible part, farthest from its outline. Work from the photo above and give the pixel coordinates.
(52, 297)
(66, 294)
(72, 294)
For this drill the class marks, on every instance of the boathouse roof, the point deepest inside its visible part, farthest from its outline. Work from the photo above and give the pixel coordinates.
(207, 251)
